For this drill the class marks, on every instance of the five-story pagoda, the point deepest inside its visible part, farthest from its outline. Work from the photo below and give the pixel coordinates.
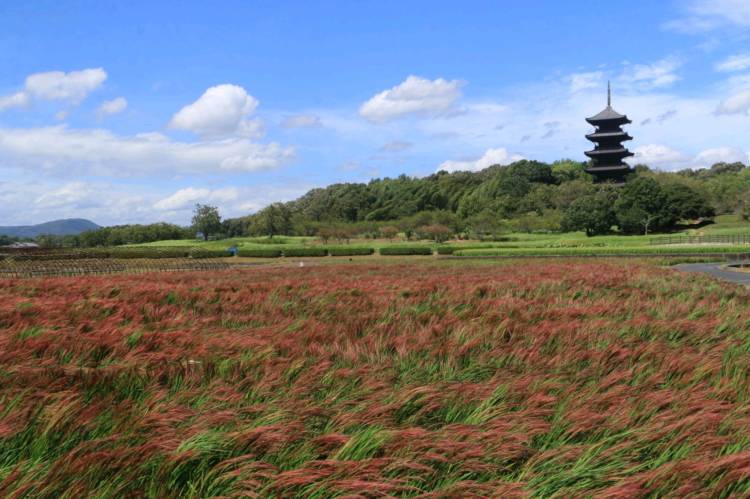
(607, 156)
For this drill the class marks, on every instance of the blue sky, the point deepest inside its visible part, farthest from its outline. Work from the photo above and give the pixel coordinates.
(131, 112)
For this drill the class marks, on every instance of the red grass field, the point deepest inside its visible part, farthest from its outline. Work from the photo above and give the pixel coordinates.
(572, 378)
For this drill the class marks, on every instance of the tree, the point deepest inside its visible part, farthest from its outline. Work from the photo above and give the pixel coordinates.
(439, 233)
(389, 232)
(643, 206)
(687, 203)
(206, 220)
(592, 214)
(274, 219)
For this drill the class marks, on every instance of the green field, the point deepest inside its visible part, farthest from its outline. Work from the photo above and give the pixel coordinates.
(569, 243)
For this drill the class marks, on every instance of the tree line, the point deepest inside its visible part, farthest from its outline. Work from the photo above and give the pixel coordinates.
(525, 196)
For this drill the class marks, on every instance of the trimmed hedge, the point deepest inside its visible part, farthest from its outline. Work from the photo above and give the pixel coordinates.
(305, 252)
(149, 252)
(605, 251)
(344, 251)
(259, 252)
(405, 250)
(449, 250)
(208, 253)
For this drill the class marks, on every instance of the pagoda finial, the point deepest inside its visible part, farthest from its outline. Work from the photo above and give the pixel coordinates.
(609, 95)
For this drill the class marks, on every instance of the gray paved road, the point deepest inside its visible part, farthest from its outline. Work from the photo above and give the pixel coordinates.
(718, 271)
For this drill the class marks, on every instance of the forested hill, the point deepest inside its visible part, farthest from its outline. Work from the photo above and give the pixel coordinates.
(64, 227)
(525, 195)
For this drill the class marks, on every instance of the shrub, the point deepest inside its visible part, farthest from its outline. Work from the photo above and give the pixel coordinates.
(405, 250)
(350, 251)
(149, 252)
(305, 252)
(449, 250)
(259, 252)
(208, 253)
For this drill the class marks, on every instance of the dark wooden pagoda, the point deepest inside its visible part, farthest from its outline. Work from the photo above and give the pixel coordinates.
(607, 157)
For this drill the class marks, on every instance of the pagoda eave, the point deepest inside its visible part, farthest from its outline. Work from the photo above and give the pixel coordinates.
(620, 136)
(608, 152)
(610, 168)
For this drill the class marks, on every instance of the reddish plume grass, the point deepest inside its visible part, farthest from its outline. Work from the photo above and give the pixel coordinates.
(570, 378)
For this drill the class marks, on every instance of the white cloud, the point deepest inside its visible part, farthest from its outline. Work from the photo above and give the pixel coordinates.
(188, 197)
(706, 158)
(71, 193)
(658, 155)
(659, 74)
(738, 62)
(737, 103)
(35, 201)
(221, 111)
(110, 107)
(72, 87)
(100, 152)
(582, 81)
(414, 96)
(19, 99)
(666, 158)
(707, 15)
(301, 121)
(497, 156)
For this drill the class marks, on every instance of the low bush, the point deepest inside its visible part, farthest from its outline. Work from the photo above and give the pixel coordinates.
(149, 252)
(259, 252)
(208, 253)
(344, 251)
(603, 251)
(296, 252)
(450, 249)
(405, 250)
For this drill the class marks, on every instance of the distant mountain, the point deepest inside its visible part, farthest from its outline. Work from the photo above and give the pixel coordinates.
(63, 227)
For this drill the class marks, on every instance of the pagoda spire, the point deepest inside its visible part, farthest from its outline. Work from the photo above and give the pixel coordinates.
(608, 154)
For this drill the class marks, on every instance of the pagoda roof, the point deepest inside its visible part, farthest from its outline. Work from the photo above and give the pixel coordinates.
(611, 168)
(608, 114)
(607, 135)
(609, 152)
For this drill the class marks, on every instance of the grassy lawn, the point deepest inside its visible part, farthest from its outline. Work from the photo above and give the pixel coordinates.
(520, 243)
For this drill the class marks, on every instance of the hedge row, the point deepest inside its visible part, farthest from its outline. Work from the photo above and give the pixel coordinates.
(449, 250)
(405, 250)
(606, 251)
(259, 252)
(344, 251)
(311, 251)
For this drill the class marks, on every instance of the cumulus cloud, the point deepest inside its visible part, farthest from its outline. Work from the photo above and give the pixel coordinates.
(497, 156)
(72, 87)
(301, 121)
(737, 103)
(666, 158)
(658, 155)
(414, 96)
(738, 62)
(221, 111)
(188, 197)
(111, 107)
(101, 152)
(706, 158)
